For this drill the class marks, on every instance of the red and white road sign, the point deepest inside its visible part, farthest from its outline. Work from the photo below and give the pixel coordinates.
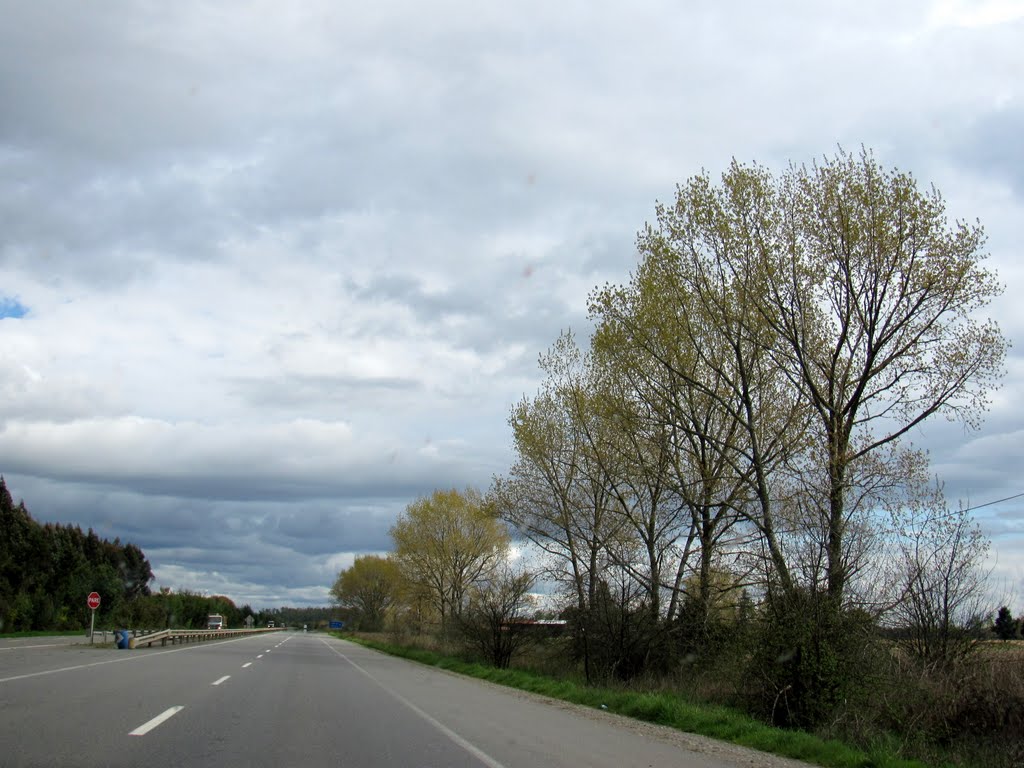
(94, 600)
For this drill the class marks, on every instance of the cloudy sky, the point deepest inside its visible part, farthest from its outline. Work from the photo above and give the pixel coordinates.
(269, 271)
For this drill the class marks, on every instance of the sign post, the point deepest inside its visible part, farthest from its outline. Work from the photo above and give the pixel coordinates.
(93, 602)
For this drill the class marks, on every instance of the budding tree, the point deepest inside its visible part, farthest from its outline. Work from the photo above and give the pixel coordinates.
(846, 296)
(447, 542)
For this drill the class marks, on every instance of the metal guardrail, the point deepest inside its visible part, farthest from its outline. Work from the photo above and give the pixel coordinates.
(147, 637)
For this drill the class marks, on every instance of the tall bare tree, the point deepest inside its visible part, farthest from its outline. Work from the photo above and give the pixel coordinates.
(939, 553)
(875, 299)
(697, 352)
(844, 293)
(553, 494)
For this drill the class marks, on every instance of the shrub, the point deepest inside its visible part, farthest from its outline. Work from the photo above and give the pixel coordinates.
(812, 660)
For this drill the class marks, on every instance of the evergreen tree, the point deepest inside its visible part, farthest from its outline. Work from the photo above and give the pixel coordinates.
(47, 570)
(1005, 625)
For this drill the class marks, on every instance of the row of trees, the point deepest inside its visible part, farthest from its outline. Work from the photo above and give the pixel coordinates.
(738, 426)
(180, 610)
(190, 610)
(723, 475)
(46, 571)
(314, 617)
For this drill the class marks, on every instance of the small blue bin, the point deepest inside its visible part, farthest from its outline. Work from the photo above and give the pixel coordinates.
(123, 638)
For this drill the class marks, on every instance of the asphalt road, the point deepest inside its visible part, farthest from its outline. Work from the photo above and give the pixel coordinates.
(291, 700)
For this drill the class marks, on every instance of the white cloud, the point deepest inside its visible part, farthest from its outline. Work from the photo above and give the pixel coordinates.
(976, 13)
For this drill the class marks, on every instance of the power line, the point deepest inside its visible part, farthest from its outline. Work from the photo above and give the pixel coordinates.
(997, 501)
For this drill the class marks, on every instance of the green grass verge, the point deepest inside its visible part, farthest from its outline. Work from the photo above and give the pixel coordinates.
(664, 709)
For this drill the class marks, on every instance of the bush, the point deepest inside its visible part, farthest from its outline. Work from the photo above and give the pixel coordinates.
(812, 661)
(493, 624)
(618, 638)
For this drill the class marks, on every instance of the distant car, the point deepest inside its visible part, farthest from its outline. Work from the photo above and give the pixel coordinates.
(270, 625)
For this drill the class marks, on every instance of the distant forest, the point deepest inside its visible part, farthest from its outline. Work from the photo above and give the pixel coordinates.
(48, 570)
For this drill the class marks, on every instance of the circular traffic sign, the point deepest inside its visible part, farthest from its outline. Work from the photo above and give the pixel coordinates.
(94, 600)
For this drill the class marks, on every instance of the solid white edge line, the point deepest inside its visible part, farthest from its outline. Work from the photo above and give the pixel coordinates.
(475, 751)
(218, 682)
(247, 664)
(145, 728)
(22, 647)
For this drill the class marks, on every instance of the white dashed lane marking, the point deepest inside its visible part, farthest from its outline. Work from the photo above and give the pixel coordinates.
(218, 682)
(247, 664)
(145, 728)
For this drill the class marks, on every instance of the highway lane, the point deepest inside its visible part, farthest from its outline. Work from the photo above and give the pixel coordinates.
(290, 700)
(76, 705)
(302, 706)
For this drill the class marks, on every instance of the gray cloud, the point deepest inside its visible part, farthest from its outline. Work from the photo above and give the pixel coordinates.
(286, 269)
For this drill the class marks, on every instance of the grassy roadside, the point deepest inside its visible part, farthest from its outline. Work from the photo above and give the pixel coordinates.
(65, 633)
(664, 709)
